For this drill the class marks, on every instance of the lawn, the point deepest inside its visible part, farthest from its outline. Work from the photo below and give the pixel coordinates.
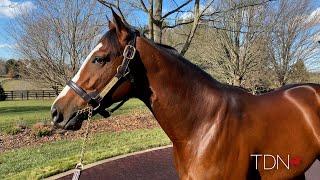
(29, 112)
(23, 112)
(3, 78)
(52, 158)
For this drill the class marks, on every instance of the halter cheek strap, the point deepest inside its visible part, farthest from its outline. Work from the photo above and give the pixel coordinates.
(94, 99)
(82, 93)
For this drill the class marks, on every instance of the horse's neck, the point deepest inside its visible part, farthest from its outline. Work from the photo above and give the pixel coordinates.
(180, 97)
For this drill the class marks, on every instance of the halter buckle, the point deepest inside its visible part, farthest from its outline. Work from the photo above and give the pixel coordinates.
(79, 166)
(129, 52)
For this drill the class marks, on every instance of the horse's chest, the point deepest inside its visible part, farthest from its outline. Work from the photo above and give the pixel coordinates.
(212, 155)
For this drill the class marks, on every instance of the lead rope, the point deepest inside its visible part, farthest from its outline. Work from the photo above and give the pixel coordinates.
(79, 166)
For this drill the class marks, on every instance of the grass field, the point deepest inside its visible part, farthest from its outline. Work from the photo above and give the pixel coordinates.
(23, 112)
(2, 79)
(29, 112)
(19, 84)
(52, 158)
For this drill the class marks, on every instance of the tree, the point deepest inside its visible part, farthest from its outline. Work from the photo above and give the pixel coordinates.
(299, 72)
(239, 44)
(154, 11)
(56, 37)
(12, 68)
(159, 22)
(292, 38)
(3, 68)
(233, 42)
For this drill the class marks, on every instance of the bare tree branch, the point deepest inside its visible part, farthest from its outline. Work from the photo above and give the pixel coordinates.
(176, 9)
(53, 44)
(144, 6)
(111, 5)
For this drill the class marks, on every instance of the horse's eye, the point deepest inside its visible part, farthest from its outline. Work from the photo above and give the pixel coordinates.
(99, 60)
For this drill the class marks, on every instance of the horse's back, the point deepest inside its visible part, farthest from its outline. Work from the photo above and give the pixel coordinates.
(288, 121)
(289, 103)
(308, 93)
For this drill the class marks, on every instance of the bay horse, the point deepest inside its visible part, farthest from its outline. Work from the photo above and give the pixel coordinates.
(218, 131)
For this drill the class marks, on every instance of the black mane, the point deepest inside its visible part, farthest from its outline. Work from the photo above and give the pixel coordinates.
(167, 47)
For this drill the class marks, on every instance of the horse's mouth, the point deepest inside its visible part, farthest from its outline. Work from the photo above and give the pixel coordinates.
(75, 122)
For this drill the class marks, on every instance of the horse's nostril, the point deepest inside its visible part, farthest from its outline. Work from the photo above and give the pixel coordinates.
(54, 112)
(56, 116)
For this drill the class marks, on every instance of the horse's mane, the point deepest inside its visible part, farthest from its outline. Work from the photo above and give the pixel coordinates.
(167, 47)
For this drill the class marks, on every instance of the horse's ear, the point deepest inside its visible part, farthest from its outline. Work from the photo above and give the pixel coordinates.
(111, 25)
(121, 28)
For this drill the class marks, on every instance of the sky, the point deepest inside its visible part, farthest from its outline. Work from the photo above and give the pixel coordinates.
(8, 13)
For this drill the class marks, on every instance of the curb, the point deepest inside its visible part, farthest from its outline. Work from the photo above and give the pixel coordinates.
(105, 161)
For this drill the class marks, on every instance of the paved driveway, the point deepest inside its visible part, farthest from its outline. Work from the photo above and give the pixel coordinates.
(151, 165)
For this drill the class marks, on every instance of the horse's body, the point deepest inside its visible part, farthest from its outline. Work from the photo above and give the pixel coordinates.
(215, 128)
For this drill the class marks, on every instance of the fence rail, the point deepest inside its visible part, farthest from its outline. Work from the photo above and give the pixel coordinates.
(31, 94)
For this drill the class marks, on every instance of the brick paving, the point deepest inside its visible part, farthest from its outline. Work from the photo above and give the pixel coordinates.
(152, 165)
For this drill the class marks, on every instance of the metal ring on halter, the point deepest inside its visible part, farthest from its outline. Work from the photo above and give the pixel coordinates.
(126, 51)
(96, 107)
(126, 73)
(118, 68)
(79, 166)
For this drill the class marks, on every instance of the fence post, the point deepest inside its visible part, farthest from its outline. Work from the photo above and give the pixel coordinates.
(27, 95)
(11, 95)
(22, 95)
(42, 94)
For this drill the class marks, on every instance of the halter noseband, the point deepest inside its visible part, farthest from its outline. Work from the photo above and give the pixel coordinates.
(94, 98)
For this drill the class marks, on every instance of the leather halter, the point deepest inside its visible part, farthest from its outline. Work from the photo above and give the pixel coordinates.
(94, 99)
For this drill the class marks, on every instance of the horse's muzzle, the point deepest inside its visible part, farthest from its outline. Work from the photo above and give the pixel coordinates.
(57, 117)
(74, 122)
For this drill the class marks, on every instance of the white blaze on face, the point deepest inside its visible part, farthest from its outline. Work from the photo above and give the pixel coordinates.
(77, 76)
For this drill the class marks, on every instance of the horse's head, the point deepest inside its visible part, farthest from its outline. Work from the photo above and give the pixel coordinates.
(100, 80)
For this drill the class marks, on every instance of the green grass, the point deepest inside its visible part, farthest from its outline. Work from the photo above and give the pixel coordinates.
(52, 158)
(30, 112)
(55, 157)
(23, 112)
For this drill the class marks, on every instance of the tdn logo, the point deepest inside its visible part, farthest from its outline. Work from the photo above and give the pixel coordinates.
(275, 161)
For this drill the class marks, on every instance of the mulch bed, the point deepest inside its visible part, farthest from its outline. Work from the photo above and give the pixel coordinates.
(112, 124)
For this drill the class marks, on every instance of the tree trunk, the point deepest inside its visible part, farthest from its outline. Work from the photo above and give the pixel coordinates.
(150, 22)
(157, 21)
(196, 19)
(237, 80)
